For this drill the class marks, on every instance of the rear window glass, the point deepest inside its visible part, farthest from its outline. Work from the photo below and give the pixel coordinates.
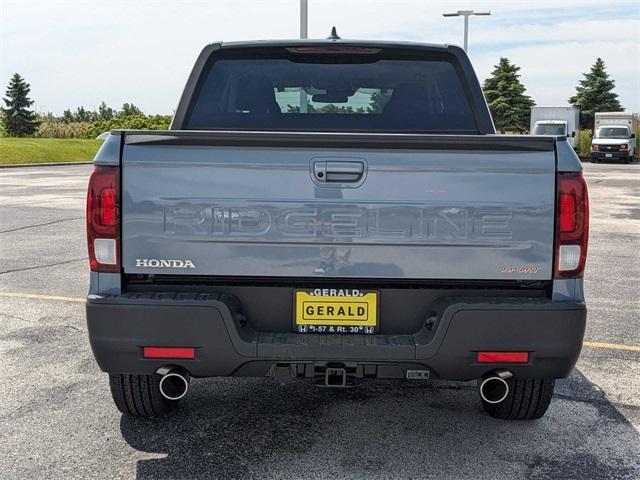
(281, 94)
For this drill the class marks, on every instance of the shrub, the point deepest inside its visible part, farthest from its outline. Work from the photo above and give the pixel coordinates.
(53, 127)
(584, 143)
(83, 123)
(50, 128)
(129, 122)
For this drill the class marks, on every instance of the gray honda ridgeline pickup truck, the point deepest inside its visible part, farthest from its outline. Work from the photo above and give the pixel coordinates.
(335, 210)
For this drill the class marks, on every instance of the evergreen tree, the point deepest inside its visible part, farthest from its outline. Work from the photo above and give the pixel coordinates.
(510, 107)
(595, 94)
(18, 120)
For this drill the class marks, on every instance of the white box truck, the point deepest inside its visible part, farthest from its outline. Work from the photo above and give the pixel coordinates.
(563, 121)
(614, 136)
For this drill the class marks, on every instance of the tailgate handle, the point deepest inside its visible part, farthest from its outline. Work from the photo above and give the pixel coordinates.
(328, 171)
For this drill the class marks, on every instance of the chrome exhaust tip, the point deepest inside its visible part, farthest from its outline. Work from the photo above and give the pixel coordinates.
(174, 384)
(494, 387)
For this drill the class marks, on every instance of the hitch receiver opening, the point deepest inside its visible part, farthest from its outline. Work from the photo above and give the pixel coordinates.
(335, 377)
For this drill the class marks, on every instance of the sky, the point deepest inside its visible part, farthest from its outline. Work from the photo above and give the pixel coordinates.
(141, 51)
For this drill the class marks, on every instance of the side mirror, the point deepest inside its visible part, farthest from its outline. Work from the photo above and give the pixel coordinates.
(573, 134)
(633, 135)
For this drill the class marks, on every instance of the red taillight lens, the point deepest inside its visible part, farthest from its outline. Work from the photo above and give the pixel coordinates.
(572, 228)
(567, 213)
(169, 352)
(103, 219)
(503, 357)
(108, 207)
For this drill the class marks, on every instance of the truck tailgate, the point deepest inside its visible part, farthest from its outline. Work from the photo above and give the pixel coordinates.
(351, 206)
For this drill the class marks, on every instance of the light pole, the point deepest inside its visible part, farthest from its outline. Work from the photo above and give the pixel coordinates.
(466, 14)
(304, 18)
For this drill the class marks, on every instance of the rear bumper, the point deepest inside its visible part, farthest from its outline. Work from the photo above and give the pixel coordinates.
(226, 346)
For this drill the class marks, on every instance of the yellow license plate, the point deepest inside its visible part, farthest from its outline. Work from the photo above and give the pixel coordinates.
(334, 310)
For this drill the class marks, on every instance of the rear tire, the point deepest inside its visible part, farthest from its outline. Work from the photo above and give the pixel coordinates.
(527, 400)
(139, 395)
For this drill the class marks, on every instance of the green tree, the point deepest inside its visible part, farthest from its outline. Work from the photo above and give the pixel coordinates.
(130, 110)
(595, 94)
(510, 107)
(67, 116)
(18, 120)
(83, 115)
(105, 112)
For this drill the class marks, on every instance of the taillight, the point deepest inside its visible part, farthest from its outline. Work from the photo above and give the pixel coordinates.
(572, 225)
(567, 212)
(108, 207)
(103, 219)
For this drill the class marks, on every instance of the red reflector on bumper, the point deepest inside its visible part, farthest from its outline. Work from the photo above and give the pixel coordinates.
(503, 357)
(169, 352)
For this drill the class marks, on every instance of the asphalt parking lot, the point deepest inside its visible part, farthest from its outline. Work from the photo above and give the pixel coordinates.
(57, 419)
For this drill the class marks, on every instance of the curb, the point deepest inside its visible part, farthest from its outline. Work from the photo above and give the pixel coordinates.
(54, 164)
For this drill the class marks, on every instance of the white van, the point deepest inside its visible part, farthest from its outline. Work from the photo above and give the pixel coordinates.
(614, 136)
